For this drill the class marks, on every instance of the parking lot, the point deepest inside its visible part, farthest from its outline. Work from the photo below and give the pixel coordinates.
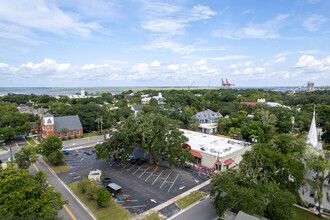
(145, 185)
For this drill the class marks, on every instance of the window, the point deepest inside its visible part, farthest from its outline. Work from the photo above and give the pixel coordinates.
(47, 128)
(311, 193)
(65, 134)
(198, 160)
(49, 121)
(51, 128)
(59, 134)
(217, 167)
(71, 133)
(78, 132)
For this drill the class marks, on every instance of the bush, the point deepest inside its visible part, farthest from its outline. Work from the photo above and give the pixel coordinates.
(82, 136)
(75, 137)
(103, 197)
(70, 138)
(91, 191)
(83, 185)
(56, 158)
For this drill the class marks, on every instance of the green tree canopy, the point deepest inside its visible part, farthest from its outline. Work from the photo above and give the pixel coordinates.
(25, 195)
(156, 134)
(50, 145)
(26, 156)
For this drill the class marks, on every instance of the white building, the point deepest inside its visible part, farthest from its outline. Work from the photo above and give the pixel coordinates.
(159, 98)
(211, 151)
(307, 193)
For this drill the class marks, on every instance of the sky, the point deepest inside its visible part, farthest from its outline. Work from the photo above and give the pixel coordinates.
(83, 43)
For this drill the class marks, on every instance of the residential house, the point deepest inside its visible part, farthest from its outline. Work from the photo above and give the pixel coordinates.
(63, 127)
(161, 100)
(22, 108)
(136, 108)
(208, 121)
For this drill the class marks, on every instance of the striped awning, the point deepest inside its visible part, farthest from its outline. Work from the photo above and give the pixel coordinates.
(196, 154)
(217, 163)
(227, 162)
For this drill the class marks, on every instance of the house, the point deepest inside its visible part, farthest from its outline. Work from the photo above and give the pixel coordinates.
(35, 129)
(249, 103)
(208, 121)
(128, 97)
(136, 108)
(159, 98)
(22, 108)
(275, 104)
(63, 127)
(213, 151)
(261, 100)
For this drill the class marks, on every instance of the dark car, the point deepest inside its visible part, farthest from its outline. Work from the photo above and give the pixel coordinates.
(141, 161)
(0, 161)
(131, 158)
(106, 181)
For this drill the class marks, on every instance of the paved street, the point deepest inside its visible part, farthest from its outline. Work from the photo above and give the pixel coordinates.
(15, 146)
(74, 210)
(202, 211)
(83, 142)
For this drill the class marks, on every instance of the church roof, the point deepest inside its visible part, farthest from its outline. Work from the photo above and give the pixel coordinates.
(70, 122)
(48, 115)
(312, 135)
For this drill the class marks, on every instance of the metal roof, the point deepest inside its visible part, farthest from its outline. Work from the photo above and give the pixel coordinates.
(114, 186)
(137, 107)
(48, 115)
(208, 114)
(70, 122)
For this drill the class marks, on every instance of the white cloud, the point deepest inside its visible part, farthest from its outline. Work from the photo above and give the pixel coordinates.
(314, 22)
(141, 68)
(230, 57)
(280, 60)
(156, 63)
(172, 27)
(201, 62)
(44, 16)
(268, 30)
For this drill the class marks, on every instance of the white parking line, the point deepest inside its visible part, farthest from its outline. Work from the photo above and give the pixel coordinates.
(151, 174)
(126, 165)
(137, 170)
(165, 179)
(173, 183)
(143, 172)
(137, 206)
(131, 167)
(158, 177)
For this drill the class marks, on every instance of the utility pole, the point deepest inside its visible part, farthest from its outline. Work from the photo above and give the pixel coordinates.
(101, 125)
(11, 156)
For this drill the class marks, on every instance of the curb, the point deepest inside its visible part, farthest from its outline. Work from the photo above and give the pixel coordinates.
(74, 196)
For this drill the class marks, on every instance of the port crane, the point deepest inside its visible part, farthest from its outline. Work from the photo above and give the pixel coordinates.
(226, 85)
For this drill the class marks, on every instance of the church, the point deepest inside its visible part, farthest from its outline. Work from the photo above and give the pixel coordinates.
(66, 127)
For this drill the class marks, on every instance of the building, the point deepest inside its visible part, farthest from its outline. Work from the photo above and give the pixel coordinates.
(208, 121)
(136, 108)
(249, 103)
(128, 96)
(217, 152)
(22, 108)
(261, 100)
(310, 86)
(161, 100)
(63, 127)
(275, 104)
(307, 193)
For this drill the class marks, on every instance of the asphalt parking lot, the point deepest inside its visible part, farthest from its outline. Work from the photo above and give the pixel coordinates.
(145, 185)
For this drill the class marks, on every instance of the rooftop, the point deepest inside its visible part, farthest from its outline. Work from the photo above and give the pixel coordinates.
(211, 144)
(208, 114)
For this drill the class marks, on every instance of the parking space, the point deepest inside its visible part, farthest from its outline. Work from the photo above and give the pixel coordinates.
(145, 185)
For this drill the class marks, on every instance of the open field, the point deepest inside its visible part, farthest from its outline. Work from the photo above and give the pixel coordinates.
(304, 215)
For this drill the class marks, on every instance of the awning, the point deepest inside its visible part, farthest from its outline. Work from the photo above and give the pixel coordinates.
(217, 163)
(196, 154)
(227, 162)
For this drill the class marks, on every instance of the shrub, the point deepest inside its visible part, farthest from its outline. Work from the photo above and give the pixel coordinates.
(70, 138)
(75, 137)
(82, 136)
(56, 158)
(83, 185)
(103, 197)
(91, 191)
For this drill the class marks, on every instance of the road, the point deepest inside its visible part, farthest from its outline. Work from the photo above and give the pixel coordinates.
(203, 210)
(83, 142)
(73, 210)
(15, 146)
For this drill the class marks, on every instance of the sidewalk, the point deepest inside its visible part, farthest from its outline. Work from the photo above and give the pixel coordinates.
(171, 201)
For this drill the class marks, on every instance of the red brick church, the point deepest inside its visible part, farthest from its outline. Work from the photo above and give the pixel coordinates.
(63, 127)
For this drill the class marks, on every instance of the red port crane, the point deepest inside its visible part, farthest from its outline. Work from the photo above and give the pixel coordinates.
(226, 85)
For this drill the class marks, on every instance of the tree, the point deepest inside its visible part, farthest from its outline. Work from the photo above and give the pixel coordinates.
(318, 165)
(50, 145)
(224, 124)
(25, 195)
(56, 157)
(103, 197)
(26, 156)
(326, 134)
(156, 134)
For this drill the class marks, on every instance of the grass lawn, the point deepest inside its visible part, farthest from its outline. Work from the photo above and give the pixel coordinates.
(190, 199)
(57, 169)
(31, 141)
(114, 211)
(153, 216)
(304, 215)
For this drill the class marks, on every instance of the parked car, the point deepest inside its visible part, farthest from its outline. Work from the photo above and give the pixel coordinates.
(65, 151)
(131, 158)
(141, 161)
(0, 161)
(106, 181)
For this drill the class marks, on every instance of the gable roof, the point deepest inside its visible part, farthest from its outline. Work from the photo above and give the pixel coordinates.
(48, 115)
(207, 114)
(70, 122)
(137, 107)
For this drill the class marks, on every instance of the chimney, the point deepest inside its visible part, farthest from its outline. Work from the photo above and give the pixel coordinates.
(203, 109)
(218, 113)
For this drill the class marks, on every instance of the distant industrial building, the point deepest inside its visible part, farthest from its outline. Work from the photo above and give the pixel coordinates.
(310, 86)
(212, 151)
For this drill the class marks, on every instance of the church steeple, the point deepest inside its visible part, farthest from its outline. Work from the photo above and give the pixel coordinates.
(312, 135)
